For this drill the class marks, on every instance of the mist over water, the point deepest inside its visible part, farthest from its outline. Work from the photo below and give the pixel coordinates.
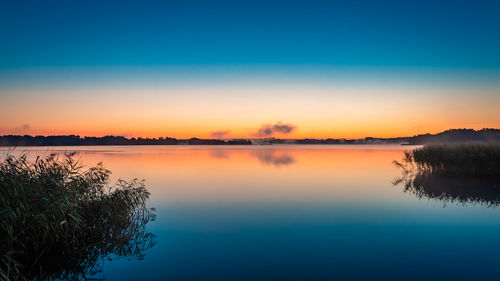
(297, 213)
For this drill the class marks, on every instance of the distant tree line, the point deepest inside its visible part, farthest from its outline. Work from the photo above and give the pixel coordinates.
(367, 140)
(458, 136)
(322, 141)
(449, 136)
(196, 141)
(72, 140)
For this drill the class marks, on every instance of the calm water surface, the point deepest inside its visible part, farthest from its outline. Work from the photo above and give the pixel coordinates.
(294, 213)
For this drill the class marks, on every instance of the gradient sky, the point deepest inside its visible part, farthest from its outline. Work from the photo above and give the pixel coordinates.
(192, 68)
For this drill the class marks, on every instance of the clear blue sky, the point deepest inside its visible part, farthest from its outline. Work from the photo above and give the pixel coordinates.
(463, 34)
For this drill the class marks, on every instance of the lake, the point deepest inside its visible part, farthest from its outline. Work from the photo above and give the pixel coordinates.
(294, 213)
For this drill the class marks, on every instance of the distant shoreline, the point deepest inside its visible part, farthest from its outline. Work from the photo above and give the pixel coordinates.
(449, 136)
(246, 145)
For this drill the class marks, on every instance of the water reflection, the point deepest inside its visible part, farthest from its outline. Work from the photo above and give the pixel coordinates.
(107, 237)
(334, 205)
(266, 156)
(86, 259)
(187, 174)
(220, 153)
(271, 157)
(449, 189)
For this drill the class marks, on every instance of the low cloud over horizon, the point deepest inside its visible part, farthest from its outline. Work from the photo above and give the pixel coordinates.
(219, 134)
(268, 130)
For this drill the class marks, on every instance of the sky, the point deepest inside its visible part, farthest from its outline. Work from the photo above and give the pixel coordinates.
(231, 69)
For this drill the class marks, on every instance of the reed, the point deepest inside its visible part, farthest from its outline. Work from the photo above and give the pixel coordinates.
(463, 173)
(58, 220)
(470, 159)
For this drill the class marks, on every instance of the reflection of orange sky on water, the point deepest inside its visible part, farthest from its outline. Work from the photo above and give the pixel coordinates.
(257, 173)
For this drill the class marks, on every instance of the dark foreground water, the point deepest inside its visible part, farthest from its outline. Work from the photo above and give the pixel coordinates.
(296, 213)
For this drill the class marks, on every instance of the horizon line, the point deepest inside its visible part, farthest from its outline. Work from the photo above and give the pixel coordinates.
(246, 138)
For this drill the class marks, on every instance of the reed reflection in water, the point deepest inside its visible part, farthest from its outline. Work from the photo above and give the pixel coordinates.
(452, 189)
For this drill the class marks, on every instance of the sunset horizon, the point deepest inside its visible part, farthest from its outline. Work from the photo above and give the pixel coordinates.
(386, 114)
(225, 135)
(262, 140)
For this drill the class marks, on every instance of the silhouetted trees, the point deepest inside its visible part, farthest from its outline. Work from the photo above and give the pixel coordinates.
(196, 141)
(449, 136)
(72, 140)
(458, 136)
(318, 141)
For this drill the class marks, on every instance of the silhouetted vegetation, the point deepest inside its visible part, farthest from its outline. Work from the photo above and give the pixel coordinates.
(458, 136)
(238, 142)
(473, 159)
(465, 173)
(58, 220)
(450, 136)
(367, 140)
(72, 140)
(318, 141)
(196, 141)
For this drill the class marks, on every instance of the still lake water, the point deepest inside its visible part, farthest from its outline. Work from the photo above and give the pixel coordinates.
(294, 213)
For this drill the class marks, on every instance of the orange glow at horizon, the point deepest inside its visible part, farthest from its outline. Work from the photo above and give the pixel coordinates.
(317, 112)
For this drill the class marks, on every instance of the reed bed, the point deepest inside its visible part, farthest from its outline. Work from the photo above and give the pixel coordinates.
(464, 173)
(470, 159)
(58, 220)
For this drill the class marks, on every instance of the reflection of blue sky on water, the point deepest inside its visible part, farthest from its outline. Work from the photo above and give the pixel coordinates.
(297, 241)
(332, 214)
